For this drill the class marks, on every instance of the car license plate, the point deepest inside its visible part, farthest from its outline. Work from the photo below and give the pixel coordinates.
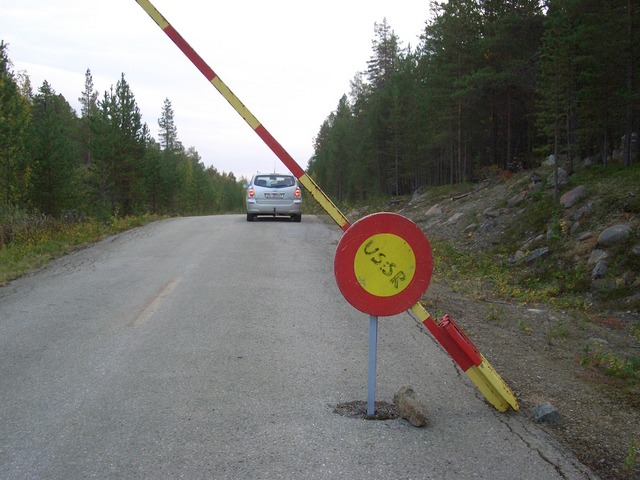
(273, 195)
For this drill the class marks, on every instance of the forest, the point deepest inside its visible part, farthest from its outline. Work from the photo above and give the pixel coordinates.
(492, 86)
(100, 163)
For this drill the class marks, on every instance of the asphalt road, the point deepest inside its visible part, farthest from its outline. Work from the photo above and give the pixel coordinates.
(213, 348)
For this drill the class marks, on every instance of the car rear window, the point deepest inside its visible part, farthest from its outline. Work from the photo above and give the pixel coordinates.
(274, 181)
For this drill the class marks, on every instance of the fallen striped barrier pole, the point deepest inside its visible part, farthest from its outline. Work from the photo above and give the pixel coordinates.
(472, 362)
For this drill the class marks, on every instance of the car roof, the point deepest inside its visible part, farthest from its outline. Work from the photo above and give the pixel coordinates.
(273, 174)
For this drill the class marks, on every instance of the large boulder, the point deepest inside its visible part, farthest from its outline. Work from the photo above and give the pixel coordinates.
(563, 178)
(613, 235)
(570, 198)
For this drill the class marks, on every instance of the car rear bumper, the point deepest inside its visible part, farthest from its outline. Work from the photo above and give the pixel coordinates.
(265, 207)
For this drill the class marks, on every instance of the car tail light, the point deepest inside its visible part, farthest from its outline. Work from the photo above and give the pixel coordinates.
(251, 192)
(297, 193)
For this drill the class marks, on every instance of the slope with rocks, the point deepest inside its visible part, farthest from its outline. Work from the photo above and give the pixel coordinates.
(569, 342)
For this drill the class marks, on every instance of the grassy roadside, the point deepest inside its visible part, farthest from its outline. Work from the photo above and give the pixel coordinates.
(29, 242)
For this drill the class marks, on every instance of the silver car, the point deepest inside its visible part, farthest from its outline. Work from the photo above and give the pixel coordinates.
(274, 194)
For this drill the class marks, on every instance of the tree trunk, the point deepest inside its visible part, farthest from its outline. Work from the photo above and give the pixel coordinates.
(509, 155)
(629, 113)
(459, 140)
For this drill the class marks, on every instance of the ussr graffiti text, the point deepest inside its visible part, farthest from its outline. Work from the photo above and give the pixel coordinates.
(387, 268)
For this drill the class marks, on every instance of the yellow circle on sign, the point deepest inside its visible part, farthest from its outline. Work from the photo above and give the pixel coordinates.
(384, 265)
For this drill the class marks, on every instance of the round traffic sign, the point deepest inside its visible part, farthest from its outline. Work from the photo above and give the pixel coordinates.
(383, 264)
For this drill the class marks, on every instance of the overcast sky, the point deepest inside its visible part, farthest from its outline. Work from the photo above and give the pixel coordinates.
(288, 61)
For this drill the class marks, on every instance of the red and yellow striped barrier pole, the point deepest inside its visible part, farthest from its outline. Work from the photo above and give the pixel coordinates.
(244, 112)
(472, 362)
(478, 369)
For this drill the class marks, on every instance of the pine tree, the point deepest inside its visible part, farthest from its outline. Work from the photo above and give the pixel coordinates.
(120, 143)
(14, 124)
(631, 95)
(507, 76)
(54, 157)
(385, 55)
(452, 56)
(381, 67)
(88, 111)
(168, 133)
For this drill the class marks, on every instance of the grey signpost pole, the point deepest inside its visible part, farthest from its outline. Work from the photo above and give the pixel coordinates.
(373, 349)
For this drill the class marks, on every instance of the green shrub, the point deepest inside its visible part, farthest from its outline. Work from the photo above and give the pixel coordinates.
(30, 241)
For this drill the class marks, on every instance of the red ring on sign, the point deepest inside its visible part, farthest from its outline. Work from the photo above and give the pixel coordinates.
(355, 236)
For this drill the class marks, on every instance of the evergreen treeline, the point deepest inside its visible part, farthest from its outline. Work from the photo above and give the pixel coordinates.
(103, 162)
(492, 86)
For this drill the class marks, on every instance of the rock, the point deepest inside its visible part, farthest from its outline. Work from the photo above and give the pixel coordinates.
(519, 255)
(585, 236)
(592, 160)
(357, 213)
(492, 212)
(563, 178)
(537, 253)
(533, 241)
(517, 199)
(487, 225)
(547, 413)
(574, 228)
(471, 228)
(633, 140)
(535, 187)
(636, 250)
(570, 198)
(597, 256)
(629, 279)
(527, 245)
(454, 218)
(410, 407)
(553, 159)
(599, 271)
(613, 235)
(581, 212)
(434, 211)
(418, 197)
(633, 299)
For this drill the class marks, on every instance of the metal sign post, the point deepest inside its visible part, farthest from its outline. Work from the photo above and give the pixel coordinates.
(373, 352)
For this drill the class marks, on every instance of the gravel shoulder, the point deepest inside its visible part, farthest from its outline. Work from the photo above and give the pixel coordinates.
(597, 423)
